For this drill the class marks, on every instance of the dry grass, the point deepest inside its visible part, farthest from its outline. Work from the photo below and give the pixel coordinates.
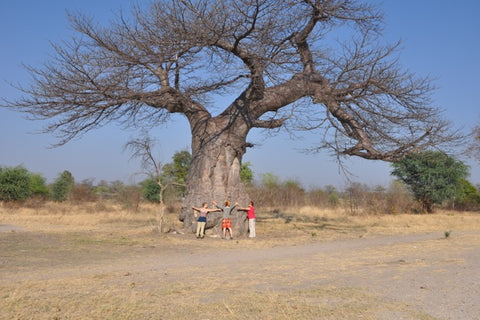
(68, 261)
(75, 217)
(310, 222)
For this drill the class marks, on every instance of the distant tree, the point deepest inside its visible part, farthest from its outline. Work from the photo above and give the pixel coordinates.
(117, 190)
(356, 194)
(246, 173)
(150, 190)
(399, 198)
(164, 175)
(177, 171)
(293, 193)
(181, 165)
(329, 189)
(102, 190)
(317, 197)
(474, 148)
(62, 186)
(272, 191)
(83, 191)
(467, 197)
(130, 197)
(116, 187)
(333, 196)
(142, 148)
(310, 65)
(270, 180)
(38, 185)
(15, 184)
(432, 176)
(268, 191)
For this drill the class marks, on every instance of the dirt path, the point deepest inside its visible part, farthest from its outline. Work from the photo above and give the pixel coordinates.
(438, 276)
(427, 272)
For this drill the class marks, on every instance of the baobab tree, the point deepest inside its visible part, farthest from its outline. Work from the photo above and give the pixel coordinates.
(304, 64)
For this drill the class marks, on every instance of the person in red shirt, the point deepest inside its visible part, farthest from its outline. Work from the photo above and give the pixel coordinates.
(251, 219)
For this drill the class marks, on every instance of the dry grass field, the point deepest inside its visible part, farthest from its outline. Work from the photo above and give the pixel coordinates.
(101, 261)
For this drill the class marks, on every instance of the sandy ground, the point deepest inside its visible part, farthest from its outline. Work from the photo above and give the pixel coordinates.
(429, 273)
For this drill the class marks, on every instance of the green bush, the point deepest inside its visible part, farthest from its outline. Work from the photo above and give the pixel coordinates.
(246, 173)
(63, 185)
(150, 190)
(15, 184)
(37, 186)
(432, 176)
(467, 196)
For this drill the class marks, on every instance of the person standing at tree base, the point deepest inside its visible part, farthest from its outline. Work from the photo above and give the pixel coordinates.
(227, 221)
(202, 218)
(251, 219)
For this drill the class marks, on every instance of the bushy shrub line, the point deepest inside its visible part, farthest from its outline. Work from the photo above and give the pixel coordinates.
(18, 184)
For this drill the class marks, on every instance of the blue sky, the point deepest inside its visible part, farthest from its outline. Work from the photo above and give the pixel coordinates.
(439, 39)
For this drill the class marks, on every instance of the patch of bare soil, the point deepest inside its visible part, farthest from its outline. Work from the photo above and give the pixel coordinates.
(428, 275)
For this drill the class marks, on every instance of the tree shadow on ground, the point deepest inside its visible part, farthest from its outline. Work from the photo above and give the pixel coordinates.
(308, 223)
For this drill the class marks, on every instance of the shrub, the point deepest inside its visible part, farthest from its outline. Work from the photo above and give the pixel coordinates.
(38, 187)
(150, 190)
(432, 176)
(62, 186)
(467, 197)
(83, 192)
(15, 184)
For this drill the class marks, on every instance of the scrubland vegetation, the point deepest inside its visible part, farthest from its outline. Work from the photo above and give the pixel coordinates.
(105, 259)
(73, 250)
(270, 192)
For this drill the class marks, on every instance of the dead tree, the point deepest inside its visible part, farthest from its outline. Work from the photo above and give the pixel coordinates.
(142, 149)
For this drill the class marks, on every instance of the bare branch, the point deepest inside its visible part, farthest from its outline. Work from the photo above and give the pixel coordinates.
(473, 148)
(141, 148)
(265, 55)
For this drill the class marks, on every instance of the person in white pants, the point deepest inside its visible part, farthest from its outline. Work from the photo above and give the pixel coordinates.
(251, 219)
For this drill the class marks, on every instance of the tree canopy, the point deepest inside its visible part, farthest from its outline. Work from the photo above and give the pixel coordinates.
(62, 186)
(432, 176)
(178, 56)
(18, 184)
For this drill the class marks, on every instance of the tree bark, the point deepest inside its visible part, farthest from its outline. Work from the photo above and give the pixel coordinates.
(218, 146)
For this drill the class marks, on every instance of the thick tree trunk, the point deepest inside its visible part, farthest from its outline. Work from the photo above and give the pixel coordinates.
(215, 175)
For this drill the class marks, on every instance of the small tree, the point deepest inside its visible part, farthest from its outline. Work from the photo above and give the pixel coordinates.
(83, 191)
(62, 186)
(150, 190)
(15, 184)
(38, 186)
(467, 196)
(432, 176)
(176, 172)
(356, 194)
(333, 196)
(293, 193)
(246, 174)
(399, 198)
(142, 148)
(270, 188)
